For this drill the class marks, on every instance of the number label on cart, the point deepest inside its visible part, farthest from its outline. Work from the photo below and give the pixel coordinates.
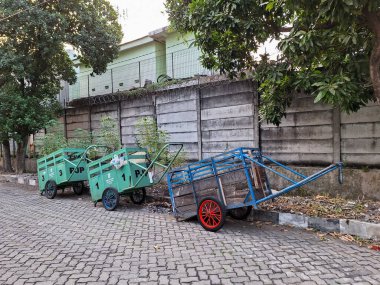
(139, 173)
(77, 170)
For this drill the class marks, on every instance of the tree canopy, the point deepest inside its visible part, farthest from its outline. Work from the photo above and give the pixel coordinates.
(329, 48)
(33, 61)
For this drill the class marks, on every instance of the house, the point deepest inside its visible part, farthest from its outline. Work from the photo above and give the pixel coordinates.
(158, 56)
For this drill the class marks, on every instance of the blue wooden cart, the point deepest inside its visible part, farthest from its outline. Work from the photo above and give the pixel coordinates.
(234, 181)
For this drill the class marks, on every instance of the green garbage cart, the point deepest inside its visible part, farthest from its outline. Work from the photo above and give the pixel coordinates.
(127, 171)
(63, 168)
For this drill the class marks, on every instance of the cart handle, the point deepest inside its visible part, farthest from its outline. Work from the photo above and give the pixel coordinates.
(84, 156)
(166, 167)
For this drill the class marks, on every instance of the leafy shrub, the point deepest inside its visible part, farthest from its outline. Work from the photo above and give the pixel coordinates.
(53, 140)
(109, 133)
(152, 138)
(82, 139)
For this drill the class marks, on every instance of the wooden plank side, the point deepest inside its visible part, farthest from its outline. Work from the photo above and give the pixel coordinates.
(77, 111)
(188, 116)
(183, 137)
(102, 108)
(178, 95)
(133, 102)
(180, 106)
(179, 127)
(218, 147)
(80, 125)
(227, 100)
(288, 133)
(302, 158)
(312, 118)
(364, 115)
(369, 145)
(306, 103)
(227, 112)
(298, 146)
(228, 123)
(137, 111)
(132, 121)
(227, 135)
(76, 119)
(360, 130)
(372, 159)
(96, 118)
(225, 89)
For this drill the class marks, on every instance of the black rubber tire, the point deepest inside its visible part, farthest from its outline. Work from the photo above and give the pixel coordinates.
(240, 213)
(50, 189)
(78, 188)
(110, 199)
(138, 196)
(340, 176)
(218, 215)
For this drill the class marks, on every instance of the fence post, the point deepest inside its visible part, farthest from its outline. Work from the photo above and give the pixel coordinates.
(119, 119)
(89, 106)
(173, 65)
(65, 119)
(336, 135)
(199, 122)
(255, 115)
(140, 73)
(88, 86)
(112, 80)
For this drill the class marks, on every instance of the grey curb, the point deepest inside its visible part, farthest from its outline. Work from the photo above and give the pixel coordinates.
(345, 226)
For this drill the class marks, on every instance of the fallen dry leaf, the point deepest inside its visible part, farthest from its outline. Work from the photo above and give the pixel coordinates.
(347, 238)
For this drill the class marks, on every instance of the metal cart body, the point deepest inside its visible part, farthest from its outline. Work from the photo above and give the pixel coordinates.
(107, 181)
(235, 179)
(64, 167)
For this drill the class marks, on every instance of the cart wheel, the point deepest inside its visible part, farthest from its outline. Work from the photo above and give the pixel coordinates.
(78, 188)
(50, 189)
(211, 214)
(110, 199)
(340, 176)
(138, 196)
(240, 213)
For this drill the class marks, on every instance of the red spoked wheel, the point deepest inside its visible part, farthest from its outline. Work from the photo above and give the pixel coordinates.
(211, 214)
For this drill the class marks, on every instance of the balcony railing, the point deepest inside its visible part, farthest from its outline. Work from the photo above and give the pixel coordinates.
(129, 75)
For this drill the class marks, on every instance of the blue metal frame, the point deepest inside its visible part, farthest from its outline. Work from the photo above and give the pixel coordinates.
(234, 160)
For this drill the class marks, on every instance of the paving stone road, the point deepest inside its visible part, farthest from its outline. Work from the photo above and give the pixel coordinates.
(67, 241)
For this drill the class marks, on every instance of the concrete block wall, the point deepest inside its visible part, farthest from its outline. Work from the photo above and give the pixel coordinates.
(212, 119)
(77, 118)
(360, 136)
(209, 119)
(305, 135)
(131, 111)
(227, 114)
(177, 114)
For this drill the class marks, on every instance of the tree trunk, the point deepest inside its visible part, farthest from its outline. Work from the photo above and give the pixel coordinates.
(7, 161)
(20, 155)
(373, 22)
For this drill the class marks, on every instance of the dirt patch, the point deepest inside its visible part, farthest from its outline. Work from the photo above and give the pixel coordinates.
(326, 207)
